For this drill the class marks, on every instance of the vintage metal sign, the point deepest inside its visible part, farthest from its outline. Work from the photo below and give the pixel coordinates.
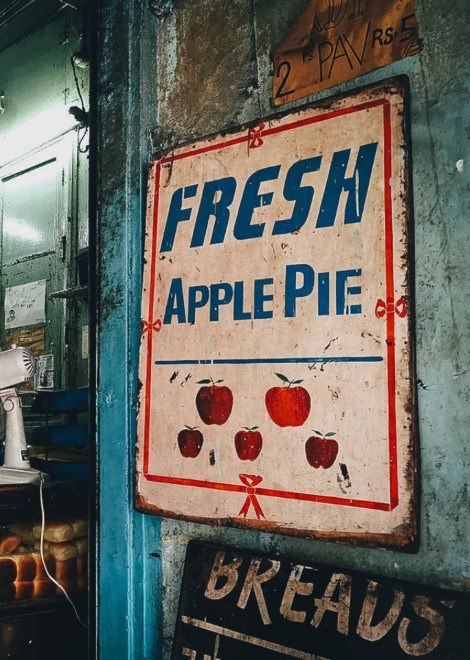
(275, 360)
(239, 604)
(337, 40)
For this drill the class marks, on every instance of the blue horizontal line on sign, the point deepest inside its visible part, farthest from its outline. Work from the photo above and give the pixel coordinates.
(289, 360)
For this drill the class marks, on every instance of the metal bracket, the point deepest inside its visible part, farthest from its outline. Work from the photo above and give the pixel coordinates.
(161, 8)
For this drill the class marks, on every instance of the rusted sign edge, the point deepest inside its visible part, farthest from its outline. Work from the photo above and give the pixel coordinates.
(405, 541)
(406, 538)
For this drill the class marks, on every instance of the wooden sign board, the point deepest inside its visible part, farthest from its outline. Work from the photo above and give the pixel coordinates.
(277, 389)
(239, 604)
(34, 339)
(336, 40)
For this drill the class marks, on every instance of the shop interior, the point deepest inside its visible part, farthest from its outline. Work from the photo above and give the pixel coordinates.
(46, 476)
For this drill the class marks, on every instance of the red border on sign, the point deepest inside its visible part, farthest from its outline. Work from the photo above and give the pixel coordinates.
(390, 321)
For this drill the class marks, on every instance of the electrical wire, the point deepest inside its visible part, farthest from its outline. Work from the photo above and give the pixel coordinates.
(72, 62)
(82, 151)
(77, 85)
(41, 551)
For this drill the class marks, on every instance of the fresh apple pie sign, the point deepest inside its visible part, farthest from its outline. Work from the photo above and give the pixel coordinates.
(276, 362)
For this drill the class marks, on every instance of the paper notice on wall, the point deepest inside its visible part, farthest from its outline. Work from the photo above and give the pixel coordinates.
(25, 304)
(44, 373)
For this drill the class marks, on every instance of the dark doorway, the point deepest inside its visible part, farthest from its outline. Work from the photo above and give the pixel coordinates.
(44, 308)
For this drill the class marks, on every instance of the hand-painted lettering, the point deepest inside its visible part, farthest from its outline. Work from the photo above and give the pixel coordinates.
(245, 301)
(224, 191)
(217, 199)
(382, 613)
(301, 195)
(356, 186)
(251, 200)
(176, 214)
(253, 583)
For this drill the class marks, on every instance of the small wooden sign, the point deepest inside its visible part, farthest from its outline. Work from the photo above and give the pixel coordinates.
(34, 339)
(276, 357)
(240, 604)
(336, 40)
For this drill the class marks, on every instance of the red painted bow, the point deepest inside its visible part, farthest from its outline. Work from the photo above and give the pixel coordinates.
(151, 325)
(254, 136)
(251, 481)
(399, 308)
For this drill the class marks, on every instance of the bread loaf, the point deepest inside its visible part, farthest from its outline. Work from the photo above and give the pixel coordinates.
(24, 590)
(20, 568)
(43, 588)
(22, 550)
(7, 570)
(81, 545)
(60, 551)
(25, 531)
(40, 571)
(9, 543)
(55, 531)
(80, 527)
(66, 571)
(25, 567)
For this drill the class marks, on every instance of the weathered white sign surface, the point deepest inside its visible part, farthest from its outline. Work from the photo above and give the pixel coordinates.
(276, 355)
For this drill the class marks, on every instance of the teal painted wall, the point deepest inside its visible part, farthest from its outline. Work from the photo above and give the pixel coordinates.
(203, 68)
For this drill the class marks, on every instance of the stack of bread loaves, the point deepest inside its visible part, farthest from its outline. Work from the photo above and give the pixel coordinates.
(22, 574)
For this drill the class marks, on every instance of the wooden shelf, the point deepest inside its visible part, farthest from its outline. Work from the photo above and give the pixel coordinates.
(20, 608)
(23, 500)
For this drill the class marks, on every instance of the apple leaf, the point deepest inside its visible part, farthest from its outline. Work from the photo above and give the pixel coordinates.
(219, 381)
(296, 382)
(204, 382)
(282, 377)
(328, 435)
(253, 428)
(318, 433)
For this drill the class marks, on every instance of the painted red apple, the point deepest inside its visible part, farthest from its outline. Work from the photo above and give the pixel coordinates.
(214, 403)
(190, 442)
(321, 450)
(248, 443)
(288, 406)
